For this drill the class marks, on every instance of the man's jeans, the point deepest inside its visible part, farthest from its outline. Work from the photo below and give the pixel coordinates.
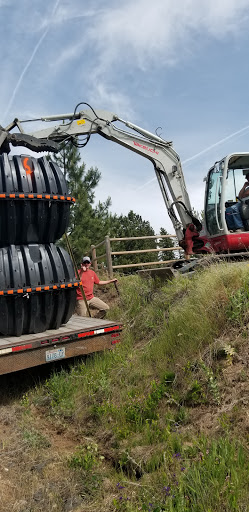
(94, 303)
(233, 218)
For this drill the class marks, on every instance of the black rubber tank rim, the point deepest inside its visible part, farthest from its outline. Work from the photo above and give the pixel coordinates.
(47, 197)
(47, 288)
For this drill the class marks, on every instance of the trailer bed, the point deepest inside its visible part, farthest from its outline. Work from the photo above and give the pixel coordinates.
(81, 335)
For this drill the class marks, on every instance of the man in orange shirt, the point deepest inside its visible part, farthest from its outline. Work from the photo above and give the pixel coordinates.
(88, 279)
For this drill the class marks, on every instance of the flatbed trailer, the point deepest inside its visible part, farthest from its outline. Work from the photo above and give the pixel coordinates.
(81, 335)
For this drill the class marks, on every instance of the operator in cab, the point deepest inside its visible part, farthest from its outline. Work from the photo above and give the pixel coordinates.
(233, 213)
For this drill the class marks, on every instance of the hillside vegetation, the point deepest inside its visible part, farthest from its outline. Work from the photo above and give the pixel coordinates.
(161, 423)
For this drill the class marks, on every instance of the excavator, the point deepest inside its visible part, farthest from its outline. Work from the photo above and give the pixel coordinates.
(223, 181)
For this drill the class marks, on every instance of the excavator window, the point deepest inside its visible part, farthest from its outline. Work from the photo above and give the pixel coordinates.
(213, 204)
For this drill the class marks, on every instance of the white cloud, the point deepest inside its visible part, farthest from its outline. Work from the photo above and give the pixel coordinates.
(108, 41)
(143, 34)
(104, 94)
(113, 39)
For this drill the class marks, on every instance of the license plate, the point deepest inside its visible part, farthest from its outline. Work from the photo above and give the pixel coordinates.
(53, 355)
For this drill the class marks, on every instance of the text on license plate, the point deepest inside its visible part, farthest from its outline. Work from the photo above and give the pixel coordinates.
(53, 355)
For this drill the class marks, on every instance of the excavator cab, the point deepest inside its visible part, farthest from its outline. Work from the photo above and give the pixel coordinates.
(224, 182)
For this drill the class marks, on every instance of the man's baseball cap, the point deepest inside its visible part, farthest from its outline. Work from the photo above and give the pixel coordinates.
(86, 259)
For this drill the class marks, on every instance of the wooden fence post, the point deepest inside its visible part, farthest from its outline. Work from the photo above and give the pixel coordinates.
(108, 256)
(94, 260)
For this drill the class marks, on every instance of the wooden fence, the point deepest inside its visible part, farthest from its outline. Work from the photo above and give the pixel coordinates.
(108, 253)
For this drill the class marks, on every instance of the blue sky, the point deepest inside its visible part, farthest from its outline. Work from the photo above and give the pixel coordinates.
(180, 65)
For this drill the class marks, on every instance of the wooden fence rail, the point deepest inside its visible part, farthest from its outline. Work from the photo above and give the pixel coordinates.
(107, 255)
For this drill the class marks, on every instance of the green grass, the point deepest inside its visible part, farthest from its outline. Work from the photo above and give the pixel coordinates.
(209, 476)
(34, 439)
(136, 403)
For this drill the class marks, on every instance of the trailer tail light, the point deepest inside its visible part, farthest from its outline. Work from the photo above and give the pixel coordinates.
(109, 329)
(84, 334)
(21, 347)
(116, 337)
(98, 331)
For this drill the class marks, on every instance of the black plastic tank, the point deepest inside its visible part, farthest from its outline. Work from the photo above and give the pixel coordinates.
(37, 288)
(34, 200)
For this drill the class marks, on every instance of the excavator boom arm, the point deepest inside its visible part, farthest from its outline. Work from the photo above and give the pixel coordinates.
(165, 160)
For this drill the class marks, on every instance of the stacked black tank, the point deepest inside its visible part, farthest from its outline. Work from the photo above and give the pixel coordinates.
(37, 279)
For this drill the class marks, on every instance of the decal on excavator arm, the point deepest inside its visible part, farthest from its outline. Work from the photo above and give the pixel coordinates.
(146, 147)
(81, 121)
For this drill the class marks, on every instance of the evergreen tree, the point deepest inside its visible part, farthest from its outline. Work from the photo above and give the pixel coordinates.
(166, 243)
(198, 215)
(132, 225)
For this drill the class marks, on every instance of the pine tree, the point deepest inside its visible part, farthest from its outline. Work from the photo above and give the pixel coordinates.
(132, 225)
(166, 243)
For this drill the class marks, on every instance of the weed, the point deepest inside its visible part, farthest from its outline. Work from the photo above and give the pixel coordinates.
(60, 389)
(225, 351)
(122, 431)
(155, 433)
(212, 382)
(98, 411)
(195, 395)
(35, 439)
(143, 409)
(128, 465)
(85, 457)
(224, 422)
(26, 402)
(238, 305)
(243, 377)
(182, 416)
(200, 387)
